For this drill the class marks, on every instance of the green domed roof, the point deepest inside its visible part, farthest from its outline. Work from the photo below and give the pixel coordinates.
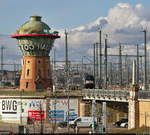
(34, 26)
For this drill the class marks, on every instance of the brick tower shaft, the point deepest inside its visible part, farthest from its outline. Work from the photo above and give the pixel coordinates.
(36, 73)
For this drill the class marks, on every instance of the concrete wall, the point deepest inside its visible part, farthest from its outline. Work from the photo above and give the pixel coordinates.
(61, 107)
(10, 110)
(115, 110)
(144, 113)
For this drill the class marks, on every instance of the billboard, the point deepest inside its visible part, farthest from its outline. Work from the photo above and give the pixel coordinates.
(61, 109)
(10, 109)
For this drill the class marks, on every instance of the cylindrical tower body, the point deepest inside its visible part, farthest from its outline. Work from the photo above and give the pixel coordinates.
(35, 41)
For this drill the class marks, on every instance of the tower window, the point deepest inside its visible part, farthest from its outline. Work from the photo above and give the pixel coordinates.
(39, 61)
(28, 72)
(28, 61)
(27, 84)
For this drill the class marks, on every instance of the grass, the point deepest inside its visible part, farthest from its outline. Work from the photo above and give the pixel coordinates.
(15, 92)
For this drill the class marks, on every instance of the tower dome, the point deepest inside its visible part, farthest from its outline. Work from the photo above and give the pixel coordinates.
(34, 26)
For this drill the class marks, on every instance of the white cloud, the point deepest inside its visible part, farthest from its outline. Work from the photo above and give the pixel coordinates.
(122, 24)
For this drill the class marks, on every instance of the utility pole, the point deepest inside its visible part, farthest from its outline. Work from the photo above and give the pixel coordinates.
(41, 120)
(120, 66)
(2, 55)
(67, 76)
(128, 72)
(111, 74)
(137, 60)
(93, 115)
(15, 74)
(141, 68)
(82, 72)
(105, 64)
(145, 61)
(2, 64)
(134, 72)
(100, 58)
(105, 86)
(54, 88)
(126, 69)
(94, 64)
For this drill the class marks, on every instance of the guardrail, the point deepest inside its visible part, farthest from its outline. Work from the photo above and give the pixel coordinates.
(144, 95)
(118, 95)
(103, 94)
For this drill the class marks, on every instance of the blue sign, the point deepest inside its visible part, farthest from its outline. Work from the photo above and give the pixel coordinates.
(72, 115)
(58, 117)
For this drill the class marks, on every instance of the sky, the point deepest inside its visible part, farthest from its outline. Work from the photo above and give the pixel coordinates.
(122, 20)
(60, 14)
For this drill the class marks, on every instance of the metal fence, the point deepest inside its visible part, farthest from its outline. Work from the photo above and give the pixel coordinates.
(144, 94)
(106, 93)
(113, 93)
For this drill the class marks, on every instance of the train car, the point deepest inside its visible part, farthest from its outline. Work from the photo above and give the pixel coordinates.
(89, 81)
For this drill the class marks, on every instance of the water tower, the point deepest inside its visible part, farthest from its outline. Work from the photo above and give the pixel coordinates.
(35, 40)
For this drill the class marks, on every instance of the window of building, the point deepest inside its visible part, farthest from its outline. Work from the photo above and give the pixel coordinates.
(39, 72)
(28, 71)
(28, 61)
(39, 61)
(27, 84)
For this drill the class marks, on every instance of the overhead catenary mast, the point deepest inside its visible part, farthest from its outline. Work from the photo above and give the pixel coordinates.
(100, 58)
(120, 66)
(145, 61)
(137, 67)
(2, 57)
(105, 85)
(67, 77)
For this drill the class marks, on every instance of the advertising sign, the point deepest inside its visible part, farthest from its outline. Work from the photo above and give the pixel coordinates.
(34, 109)
(59, 109)
(10, 109)
(36, 115)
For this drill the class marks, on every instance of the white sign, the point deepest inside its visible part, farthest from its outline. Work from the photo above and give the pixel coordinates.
(10, 109)
(61, 108)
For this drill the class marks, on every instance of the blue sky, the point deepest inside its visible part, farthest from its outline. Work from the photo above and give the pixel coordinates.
(122, 20)
(59, 14)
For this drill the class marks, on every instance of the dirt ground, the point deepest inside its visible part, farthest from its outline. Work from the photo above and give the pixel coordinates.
(47, 129)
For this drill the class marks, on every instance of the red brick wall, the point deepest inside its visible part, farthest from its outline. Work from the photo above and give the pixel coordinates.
(34, 64)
